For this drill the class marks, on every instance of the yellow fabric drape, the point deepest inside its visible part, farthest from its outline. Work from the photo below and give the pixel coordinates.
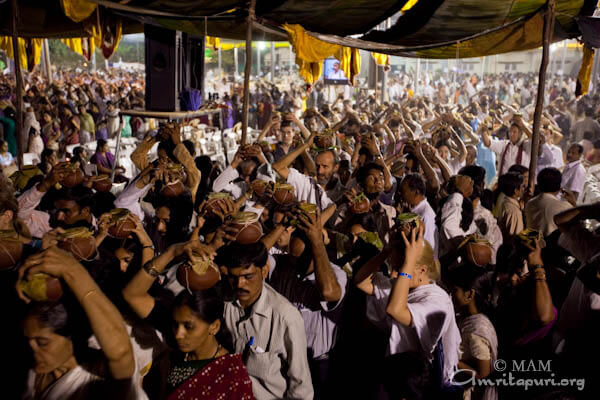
(213, 42)
(380, 59)
(310, 53)
(82, 46)
(74, 44)
(36, 51)
(78, 10)
(409, 5)
(585, 73)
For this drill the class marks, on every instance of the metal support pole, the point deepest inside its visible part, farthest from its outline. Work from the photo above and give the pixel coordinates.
(562, 61)
(19, 79)
(247, 69)
(418, 76)
(258, 59)
(47, 62)
(219, 59)
(272, 61)
(235, 62)
(539, 104)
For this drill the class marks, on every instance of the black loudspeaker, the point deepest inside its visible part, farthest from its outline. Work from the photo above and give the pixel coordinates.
(164, 56)
(174, 62)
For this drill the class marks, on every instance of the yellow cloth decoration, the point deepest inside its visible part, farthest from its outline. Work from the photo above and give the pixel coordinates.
(409, 4)
(36, 51)
(310, 53)
(380, 59)
(213, 42)
(585, 72)
(78, 10)
(74, 44)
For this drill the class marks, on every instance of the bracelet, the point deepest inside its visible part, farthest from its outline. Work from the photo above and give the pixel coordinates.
(540, 279)
(409, 276)
(150, 246)
(151, 269)
(536, 266)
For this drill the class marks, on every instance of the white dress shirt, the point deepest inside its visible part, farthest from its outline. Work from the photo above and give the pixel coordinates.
(573, 176)
(424, 210)
(498, 146)
(450, 226)
(307, 189)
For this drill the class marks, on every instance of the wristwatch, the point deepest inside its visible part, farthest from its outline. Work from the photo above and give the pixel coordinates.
(151, 269)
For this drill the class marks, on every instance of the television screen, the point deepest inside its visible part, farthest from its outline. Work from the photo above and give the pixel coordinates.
(333, 74)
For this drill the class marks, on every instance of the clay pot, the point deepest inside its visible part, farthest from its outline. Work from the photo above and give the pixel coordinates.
(212, 201)
(259, 187)
(250, 230)
(42, 287)
(121, 226)
(360, 204)
(324, 141)
(73, 178)
(476, 250)
(478, 253)
(103, 183)
(173, 189)
(11, 249)
(200, 275)
(78, 241)
(283, 194)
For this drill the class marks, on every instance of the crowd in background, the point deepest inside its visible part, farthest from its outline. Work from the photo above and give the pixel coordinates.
(352, 249)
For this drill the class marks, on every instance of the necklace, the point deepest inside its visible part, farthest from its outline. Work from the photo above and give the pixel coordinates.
(186, 358)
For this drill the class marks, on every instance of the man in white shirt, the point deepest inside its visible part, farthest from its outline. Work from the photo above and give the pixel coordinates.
(573, 176)
(540, 211)
(412, 190)
(336, 72)
(236, 178)
(516, 150)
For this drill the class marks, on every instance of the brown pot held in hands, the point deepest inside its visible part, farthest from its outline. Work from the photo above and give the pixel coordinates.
(324, 141)
(476, 250)
(259, 187)
(283, 194)
(42, 287)
(121, 226)
(11, 249)
(199, 275)
(78, 241)
(250, 229)
(173, 189)
(212, 204)
(73, 177)
(102, 183)
(360, 204)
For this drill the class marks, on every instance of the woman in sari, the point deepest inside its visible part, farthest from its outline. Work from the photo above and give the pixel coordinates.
(105, 161)
(65, 367)
(201, 367)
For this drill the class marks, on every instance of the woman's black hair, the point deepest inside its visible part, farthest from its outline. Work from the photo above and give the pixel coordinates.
(467, 277)
(100, 144)
(53, 316)
(207, 305)
(366, 220)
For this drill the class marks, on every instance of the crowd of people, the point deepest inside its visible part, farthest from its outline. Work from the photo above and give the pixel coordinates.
(355, 249)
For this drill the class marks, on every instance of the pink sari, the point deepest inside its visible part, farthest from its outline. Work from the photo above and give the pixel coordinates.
(224, 378)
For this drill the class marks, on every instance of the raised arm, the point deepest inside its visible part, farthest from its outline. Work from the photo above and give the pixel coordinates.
(397, 307)
(326, 280)
(282, 166)
(105, 320)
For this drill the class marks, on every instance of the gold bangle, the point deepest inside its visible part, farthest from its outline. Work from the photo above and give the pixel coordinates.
(87, 294)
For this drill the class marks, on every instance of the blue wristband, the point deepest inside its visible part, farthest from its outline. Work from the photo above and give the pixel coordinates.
(406, 275)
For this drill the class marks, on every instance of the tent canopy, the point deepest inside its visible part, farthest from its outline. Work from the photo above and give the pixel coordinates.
(427, 28)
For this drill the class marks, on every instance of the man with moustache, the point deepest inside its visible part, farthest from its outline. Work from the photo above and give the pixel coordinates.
(267, 330)
(323, 191)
